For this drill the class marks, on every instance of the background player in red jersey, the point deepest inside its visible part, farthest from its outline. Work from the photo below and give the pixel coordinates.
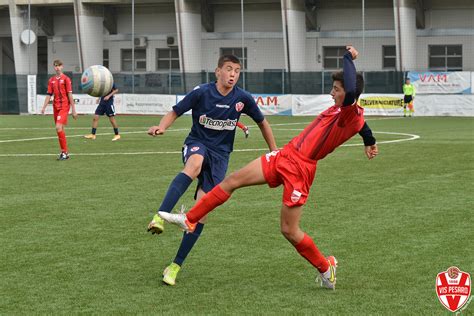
(294, 166)
(60, 87)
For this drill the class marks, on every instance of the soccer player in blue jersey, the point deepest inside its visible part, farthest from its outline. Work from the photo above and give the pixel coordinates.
(106, 106)
(216, 109)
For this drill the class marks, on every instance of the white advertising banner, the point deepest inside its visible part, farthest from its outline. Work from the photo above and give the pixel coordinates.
(458, 82)
(444, 105)
(158, 104)
(31, 93)
(274, 104)
(85, 104)
(310, 104)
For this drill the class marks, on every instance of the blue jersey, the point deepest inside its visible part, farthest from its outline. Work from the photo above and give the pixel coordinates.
(215, 116)
(110, 101)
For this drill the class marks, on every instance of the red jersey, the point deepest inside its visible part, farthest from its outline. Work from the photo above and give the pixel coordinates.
(329, 130)
(59, 87)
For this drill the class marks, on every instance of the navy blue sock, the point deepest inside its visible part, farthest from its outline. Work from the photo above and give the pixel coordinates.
(116, 131)
(187, 244)
(178, 186)
(94, 130)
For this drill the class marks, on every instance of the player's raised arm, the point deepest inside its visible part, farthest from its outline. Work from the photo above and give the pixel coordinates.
(371, 149)
(350, 75)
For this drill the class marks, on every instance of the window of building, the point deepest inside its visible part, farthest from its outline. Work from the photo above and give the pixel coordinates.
(445, 57)
(333, 57)
(236, 51)
(389, 57)
(140, 60)
(167, 59)
(105, 58)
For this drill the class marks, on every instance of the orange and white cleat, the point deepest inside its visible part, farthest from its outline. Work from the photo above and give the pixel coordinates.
(90, 136)
(116, 137)
(179, 220)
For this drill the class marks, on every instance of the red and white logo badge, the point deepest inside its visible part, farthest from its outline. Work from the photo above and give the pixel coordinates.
(239, 106)
(295, 196)
(195, 148)
(453, 288)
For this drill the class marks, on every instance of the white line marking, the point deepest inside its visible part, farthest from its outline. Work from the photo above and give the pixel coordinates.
(411, 137)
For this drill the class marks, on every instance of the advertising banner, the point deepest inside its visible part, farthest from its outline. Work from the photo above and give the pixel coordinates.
(85, 104)
(156, 104)
(441, 82)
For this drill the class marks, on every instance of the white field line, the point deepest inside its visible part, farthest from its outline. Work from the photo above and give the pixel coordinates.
(410, 138)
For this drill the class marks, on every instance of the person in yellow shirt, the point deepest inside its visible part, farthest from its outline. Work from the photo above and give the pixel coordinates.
(408, 97)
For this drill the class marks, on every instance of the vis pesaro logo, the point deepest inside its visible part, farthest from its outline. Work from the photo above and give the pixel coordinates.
(381, 102)
(453, 288)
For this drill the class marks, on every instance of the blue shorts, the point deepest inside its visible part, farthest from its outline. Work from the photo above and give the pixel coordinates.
(105, 108)
(214, 166)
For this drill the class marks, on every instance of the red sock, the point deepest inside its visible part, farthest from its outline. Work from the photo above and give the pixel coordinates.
(62, 141)
(207, 203)
(307, 248)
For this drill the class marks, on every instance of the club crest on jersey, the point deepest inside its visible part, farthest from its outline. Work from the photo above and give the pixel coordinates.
(195, 148)
(295, 196)
(239, 106)
(453, 288)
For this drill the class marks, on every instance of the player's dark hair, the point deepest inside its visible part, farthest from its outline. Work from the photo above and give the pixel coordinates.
(57, 62)
(224, 58)
(339, 76)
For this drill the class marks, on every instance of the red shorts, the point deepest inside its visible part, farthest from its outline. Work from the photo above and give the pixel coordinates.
(60, 116)
(293, 170)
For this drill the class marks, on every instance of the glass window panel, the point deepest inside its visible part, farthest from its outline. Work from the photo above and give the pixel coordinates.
(163, 64)
(389, 62)
(330, 63)
(140, 54)
(437, 50)
(105, 54)
(175, 64)
(437, 62)
(163, 53)
(331, 51)
(141, 65)
(455, 50)
(126, 54)
(127, 65)
(455, 62)
(174, 53)
(389, 51)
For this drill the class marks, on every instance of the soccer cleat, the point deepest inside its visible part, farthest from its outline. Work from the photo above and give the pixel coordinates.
(329, 281)
(178, 220)
(170, 274)
(116, 137)
(63, 156)
(90, 136)
(157, 225)
(246, 132)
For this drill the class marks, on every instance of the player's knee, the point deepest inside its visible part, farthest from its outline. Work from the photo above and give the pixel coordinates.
(289, 232)
(192, 170)
(232, 182)
(59, 127)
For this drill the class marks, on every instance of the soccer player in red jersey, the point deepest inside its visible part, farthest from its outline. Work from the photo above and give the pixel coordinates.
(60, 88)
(294, 166)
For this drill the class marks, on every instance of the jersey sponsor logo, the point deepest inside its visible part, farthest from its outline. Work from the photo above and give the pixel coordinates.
(295, 196)
(195, 148)
(453, 288)
(58, 118)
(223, 106)
(218, 125)
(239, 106)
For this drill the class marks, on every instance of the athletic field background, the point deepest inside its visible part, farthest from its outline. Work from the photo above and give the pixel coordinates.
(73, 233)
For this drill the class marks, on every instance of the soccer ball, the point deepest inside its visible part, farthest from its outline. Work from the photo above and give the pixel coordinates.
(97, 81)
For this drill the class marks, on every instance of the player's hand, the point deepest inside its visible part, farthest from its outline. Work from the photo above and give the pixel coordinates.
(42, 110)
(371, 151)
(155, 130)
(353, 51)
(74, 115)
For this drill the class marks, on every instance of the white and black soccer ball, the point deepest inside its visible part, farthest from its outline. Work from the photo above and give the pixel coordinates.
(97, 81)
